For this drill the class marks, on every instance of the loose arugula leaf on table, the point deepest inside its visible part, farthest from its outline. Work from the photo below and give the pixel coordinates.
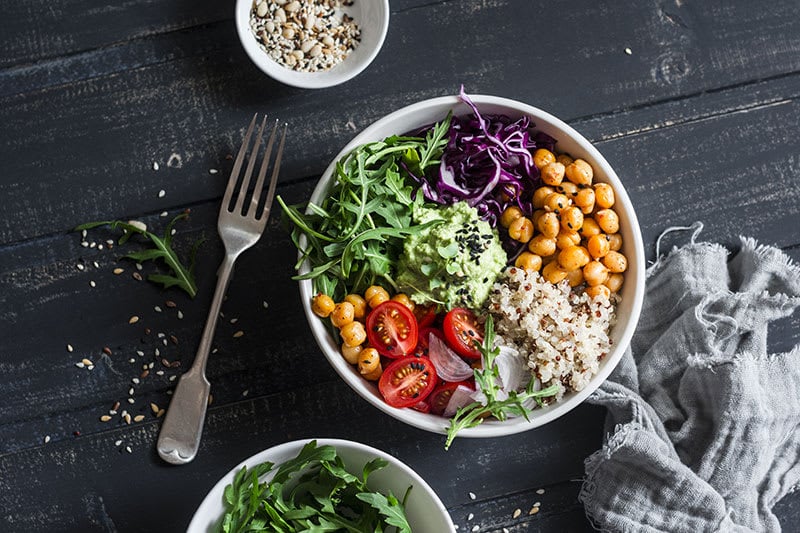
(179, 275)
(473, 414)
(355, 236)
(313, 492)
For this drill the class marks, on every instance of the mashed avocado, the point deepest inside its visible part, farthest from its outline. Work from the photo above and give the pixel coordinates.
(453, 263)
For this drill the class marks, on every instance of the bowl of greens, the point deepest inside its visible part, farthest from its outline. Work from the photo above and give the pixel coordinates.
(470, 265)
(321, 485)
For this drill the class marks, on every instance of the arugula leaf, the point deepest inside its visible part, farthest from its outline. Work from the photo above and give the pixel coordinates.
(354, 237)
(473, 414)
(312, 492)
(178, 274)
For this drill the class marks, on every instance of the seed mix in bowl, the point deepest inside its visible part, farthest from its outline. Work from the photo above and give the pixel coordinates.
(308, 36)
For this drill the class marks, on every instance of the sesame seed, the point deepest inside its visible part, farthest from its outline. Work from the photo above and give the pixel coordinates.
(99, 246)
(92, 244)
(238, 334)
(79, 266)
(157, 352)
(154, 408)
(128, 449)
(135, 381)
(84, 244)
(245, 392)
(157, 309)
(172, 378)
(131, 401)
(234, 320)
(69, 348)
(131, 360)
(540, 491)
(90, 367)
(93, 284)
(117, 443)
(105, 418)
(265, 304)
(476, 528)
(138, 266)
(79, 365)
(533, 510)
(83, 234)
(215, 350)
(164, 213)
(155, 165)
(212, 171)
(472, 496)
(86, 362)
(516, 514)
(162, 193)
(131, 391)
(109, 242)
(170, 303)
(180, 314)
(470, 516)
(118, 271)
(161, 412)
(133, 320)
(138, 418)
(95, 264)
(160, 373)
(628, 51)
(537, 504)
(46, 439)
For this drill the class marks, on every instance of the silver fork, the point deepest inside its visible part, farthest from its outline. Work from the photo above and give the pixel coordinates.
(183, 426)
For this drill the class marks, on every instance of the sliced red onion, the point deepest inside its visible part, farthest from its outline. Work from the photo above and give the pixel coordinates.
(462, 396)
(449, 365)
(512, 369)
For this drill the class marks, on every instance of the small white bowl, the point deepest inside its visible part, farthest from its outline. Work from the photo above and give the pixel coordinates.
(424, 509)
(568, 140)
(372, 17)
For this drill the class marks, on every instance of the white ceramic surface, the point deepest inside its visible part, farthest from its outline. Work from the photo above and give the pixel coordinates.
(425, 512)
(372, 16)
(568, 140)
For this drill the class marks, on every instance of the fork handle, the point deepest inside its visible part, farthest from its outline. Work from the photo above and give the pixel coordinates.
(180, 434)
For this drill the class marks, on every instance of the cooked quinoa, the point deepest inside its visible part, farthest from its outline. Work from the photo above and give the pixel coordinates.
(563, 331)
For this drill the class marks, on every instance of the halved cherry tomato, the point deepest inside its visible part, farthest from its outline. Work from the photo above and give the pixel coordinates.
(426, 315)
(424, 340)
(392, 329)
(462, 332)
(407, 381)
(440, 397)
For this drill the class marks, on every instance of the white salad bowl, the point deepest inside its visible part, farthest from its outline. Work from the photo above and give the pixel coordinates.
(372, 17)
(568, 140)
(424, 510)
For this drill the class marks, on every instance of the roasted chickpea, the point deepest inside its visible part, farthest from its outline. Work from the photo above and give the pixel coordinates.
(565, 239)
(552, 173)
(568, 189)
(342, 314)
(378, 299)
(359, 305)
(598, 290)
(615, 241)
(543, 157)
(575, 277)
(564, 159)
(541, 245)
(350, 353)
(572, 219)
(614, 282)
(548, 225)
(615, 262)
(510, 215)
(539, 196)
(573, 258)
(608, 220)
(368, 360)
(556, 202)
(375, 375)
(553, 272)
(590, 228)
(603, 195)
(595, 273)
(528, 261)
(353, 334)
(536, 215)
(373, 290)
(405, 300)
(322, 305)
(580, 172)
(585, 200)
(598, 245)
(521, 229)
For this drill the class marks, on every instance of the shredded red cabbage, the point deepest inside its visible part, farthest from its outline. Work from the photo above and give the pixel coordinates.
(488, 162)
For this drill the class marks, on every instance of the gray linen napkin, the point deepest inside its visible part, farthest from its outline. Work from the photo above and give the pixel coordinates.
(703, 424)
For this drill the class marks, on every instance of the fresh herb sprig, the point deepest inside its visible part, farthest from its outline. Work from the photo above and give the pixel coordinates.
(312, 492)
(473, 414)
(355, 236)
(179, 275)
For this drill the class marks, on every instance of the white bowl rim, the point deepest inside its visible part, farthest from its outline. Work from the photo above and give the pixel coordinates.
(302, 80)
(292, 448)
(539, 418)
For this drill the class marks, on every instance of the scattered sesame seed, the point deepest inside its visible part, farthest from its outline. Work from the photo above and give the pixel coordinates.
(46, 439)
(92, 244)
(128, 449)
(172, 378)
(84, 244)
(69, 348)
(86, 362)
(505, 530)
(173, 231)
(112, 411)
(238, 334)
(107, 350)
(80, 365)
(234, 320)
(170, 303)
(154, 408)
(90, 367)
(537, 504)
(131, 391)
(157, 352)
(628, 51)
(93, 284)
(212, 171)
(124, 413)
(265, 304)
(137, 276)
(160, 373)
(95, 264)
(117, 443)
(540, 491)
(131, 360)
(245, 392)
(470, 516)
(109, 242)
(133, 320)
(83, 234)
(472, 496)
(155, 165)
(157, 308)
(215, 350)
(138, 266)
(164, 213)
(118, 271)
(115, 407)
(99, 246)
(161, 412)
(516, 514)
(79, 266)
(131, 401)
(151, 365)
(476, 528)
(180, 314)
(533, 510)
(169, 393)
(162, 193)
(138, 418)
(105, 418)
(164, 341)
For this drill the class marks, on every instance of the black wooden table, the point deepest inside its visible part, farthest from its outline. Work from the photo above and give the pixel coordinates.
(696, 105)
